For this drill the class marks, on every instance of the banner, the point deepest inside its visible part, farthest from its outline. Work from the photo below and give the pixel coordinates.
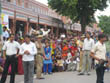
(5, 20)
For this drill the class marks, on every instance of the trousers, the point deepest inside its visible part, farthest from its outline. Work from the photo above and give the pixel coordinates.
(39, 65)
(28, 71)
(86, 59)
(100, 74)
(47, 67)
(10, 60)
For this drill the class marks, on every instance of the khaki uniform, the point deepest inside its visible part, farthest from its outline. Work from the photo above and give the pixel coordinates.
(39, 59)
(81, 55)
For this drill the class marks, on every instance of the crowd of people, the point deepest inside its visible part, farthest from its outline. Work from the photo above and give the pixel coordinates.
(48, 54)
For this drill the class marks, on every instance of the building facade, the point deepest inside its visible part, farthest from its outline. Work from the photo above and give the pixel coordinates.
(23, 13)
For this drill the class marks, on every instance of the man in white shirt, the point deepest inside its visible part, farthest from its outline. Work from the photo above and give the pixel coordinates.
(99, 54)
(5, 33)
(87, 46)
(28, 50)
(10, 52)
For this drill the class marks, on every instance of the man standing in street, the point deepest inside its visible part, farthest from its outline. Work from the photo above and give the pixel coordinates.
(10, 52)
(39, 57)
(86, 59)
(28, 50)
(99, 54)
(81, 52)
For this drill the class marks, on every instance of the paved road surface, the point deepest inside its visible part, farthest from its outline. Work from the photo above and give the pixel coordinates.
(65, 77)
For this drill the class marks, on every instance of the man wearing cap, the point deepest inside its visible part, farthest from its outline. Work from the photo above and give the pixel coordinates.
(87, 46)
(39, 57)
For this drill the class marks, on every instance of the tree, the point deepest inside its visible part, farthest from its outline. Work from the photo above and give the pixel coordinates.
(104, 24)
(78, 10)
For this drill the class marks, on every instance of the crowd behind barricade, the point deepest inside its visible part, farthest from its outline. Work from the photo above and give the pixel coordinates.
(57, 54)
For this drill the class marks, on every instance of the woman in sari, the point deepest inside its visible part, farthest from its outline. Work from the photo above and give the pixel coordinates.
(20, 65)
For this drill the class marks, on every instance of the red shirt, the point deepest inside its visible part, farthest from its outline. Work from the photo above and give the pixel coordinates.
(64, 51)
(73, 50)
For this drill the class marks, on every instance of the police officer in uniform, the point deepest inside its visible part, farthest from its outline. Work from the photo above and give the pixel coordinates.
(39, 57)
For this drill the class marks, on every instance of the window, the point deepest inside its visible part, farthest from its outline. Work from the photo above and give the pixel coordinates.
(41, 11)
(38, 10)
(14, 1)
(26, 5)
(8, 0)
(19, 2)
(22, 3)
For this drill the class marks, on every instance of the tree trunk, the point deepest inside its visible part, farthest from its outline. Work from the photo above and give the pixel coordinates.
(83, 25)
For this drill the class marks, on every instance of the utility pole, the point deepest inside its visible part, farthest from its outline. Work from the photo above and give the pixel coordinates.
(38, 23)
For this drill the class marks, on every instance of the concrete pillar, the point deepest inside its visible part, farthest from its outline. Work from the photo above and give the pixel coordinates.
(14, 23)
(26, 29)
(13, 26)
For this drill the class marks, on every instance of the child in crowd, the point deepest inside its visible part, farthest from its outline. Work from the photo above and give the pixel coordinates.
(55, 66)
(60, 62)
(69, 61)
(64, 50)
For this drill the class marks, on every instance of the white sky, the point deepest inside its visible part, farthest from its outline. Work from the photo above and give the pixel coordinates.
(98, 13)
(43, 1)
(105, 12)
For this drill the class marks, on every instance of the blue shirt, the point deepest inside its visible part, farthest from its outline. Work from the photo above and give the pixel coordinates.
(47, 51)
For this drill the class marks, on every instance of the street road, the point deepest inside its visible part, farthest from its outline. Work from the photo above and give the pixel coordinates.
(65, 77)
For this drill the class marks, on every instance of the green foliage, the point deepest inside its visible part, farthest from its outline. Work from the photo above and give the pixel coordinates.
(104, 24)
(78, 10)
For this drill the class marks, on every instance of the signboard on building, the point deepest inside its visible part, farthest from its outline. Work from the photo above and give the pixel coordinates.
(76, 27)
(89, 29)
(9, 13)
